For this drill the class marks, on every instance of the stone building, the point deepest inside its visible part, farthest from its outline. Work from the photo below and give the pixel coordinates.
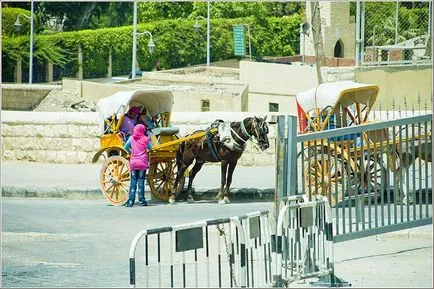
(338, 33)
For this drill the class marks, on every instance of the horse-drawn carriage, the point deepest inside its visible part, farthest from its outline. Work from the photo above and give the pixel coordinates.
(169, 152)
(115, 172)
(336, 166)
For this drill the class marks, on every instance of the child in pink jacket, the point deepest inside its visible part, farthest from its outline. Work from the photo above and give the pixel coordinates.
(139, 163)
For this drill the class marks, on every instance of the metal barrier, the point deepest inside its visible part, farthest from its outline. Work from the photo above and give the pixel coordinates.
(304, 238)
(257, 230)
(226, 252)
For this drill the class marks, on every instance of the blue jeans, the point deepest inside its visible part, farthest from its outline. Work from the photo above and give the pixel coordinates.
(137, 181)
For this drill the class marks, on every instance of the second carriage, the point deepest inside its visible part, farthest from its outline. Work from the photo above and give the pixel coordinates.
(338, 167)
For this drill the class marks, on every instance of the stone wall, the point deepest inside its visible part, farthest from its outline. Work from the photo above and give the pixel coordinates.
(52, 137)
(73, 137)
(333, 74)
(24, 96)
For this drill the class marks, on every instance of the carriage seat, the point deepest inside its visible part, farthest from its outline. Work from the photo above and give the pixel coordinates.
(165, 131)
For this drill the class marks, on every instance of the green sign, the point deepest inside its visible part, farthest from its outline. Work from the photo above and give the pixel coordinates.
(239, 46)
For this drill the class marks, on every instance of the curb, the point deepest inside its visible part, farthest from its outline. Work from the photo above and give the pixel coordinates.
(51, 192)
(242, 194)
(239, 194)
(412, 233)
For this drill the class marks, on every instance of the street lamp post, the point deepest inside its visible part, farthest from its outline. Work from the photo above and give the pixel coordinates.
(250, 44)
(197, 26)
(18, 28)
(151, 44)
(304, 29)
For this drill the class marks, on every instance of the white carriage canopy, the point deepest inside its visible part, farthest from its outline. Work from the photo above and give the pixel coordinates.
(155, 101)
(335, 94)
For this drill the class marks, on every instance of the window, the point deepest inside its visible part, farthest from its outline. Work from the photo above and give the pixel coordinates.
(339, 49)
(274, 107)
(205, 105)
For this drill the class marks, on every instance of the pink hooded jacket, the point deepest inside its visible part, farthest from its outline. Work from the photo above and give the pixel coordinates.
(139, 151)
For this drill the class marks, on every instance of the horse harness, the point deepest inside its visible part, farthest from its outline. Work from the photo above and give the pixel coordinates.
(227, 136)
(209, 138)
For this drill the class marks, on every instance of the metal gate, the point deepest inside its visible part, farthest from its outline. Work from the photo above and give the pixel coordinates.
(383, 173)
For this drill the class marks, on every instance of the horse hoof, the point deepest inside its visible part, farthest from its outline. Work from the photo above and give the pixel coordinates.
(172, 200)
(222, 202)
(406, 201)
(190, 199)
(226, 200)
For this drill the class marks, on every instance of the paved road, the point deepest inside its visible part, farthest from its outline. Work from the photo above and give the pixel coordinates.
(82, 180)
(85, 243)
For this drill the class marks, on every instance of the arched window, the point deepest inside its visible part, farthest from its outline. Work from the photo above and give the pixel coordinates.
(339, 49)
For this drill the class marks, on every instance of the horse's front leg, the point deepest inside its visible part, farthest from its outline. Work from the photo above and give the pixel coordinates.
(231, 169)
(221, 194)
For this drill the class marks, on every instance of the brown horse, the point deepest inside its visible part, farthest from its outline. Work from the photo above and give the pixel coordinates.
(226, 147)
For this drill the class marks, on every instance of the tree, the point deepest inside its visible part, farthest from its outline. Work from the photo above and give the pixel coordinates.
(151, 11)
(317, 38)
(117, 14)
(380, 20)
(90, 15)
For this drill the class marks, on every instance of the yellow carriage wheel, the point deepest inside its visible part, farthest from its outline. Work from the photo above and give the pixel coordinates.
(324, 176)
(162, 176)
(115, 180)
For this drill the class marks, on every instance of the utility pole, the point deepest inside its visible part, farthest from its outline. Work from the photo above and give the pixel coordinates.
(317, 38)
(208, 39)
(133, 61)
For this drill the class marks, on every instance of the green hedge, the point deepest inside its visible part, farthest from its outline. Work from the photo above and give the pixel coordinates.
(9, 16)
(177, 44)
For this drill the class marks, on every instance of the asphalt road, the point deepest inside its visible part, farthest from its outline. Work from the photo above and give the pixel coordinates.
(85, 243)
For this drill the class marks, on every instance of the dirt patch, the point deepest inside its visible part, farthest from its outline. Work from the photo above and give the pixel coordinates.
(65, 100)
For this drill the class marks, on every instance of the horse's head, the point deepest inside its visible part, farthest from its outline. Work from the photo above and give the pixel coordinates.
(260, 132)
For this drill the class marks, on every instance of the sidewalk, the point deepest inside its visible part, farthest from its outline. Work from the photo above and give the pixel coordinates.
(81, 181)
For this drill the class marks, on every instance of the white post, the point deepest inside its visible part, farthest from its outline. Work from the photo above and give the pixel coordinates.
(133, 64)
(207, 37)
(396, 22)
(31, 46)
(373, 37)
(429, 17)
(362, 33)
(301, 45)
(250, 44)
(357, 33)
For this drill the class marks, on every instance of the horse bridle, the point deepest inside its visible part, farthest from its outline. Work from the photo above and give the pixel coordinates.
(261, 127)
(246, 133)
